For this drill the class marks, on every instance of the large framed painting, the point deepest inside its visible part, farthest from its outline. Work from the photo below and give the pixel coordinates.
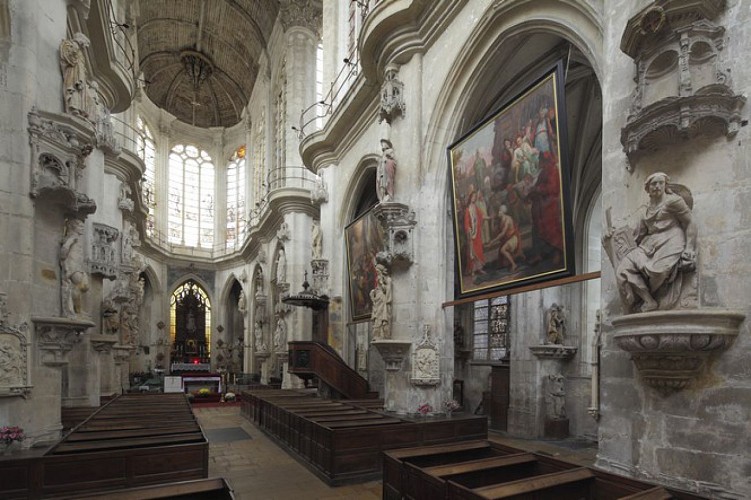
(364, 238)
(510, 193)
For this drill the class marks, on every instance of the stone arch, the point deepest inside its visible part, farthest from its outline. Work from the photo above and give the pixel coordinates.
(357, 187)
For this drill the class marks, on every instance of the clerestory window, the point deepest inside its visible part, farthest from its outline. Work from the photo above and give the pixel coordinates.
(237, 221)
(147, 152)
(190, 210)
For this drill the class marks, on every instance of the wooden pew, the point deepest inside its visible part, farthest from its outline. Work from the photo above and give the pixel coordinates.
(573, 484)
(199, 489)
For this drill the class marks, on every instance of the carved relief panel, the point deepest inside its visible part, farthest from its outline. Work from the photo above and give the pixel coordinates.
(426, 361)
(14, 356)
(103, 255)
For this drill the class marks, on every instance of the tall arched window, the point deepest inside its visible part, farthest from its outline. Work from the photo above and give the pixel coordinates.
(190, 323)
(236, 212)
(147, 152)
(191, 197)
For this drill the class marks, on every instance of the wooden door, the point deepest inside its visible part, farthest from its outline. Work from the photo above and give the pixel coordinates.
(499, 397)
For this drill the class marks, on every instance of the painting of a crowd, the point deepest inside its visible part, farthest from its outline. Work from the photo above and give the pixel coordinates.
(364, 240)
(510, 210)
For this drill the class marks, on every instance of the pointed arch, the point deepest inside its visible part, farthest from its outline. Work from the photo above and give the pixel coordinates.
(362, 180)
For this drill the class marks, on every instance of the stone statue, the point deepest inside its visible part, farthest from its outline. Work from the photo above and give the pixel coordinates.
(317, 241)
(280, 334)
(555, 324)
(110, 318)
(651, 262)
(386, 172)
(556, 397)
(242, 305)
(381, 298)
(258, 334)
(281, 267)
(75, 280)
(128, 325)
(75, 81)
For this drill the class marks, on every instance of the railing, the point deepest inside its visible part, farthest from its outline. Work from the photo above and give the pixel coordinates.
(314, 116)
(290, 177)
(124, 52)
(125, 134)
(308, 358)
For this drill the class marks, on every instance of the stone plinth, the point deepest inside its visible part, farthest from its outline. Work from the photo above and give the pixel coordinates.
(670, 348)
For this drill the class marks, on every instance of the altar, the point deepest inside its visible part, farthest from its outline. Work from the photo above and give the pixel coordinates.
(194, 382)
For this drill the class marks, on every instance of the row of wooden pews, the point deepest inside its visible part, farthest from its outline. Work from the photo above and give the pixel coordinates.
(482, 470)
(342, 440)
(134, 440)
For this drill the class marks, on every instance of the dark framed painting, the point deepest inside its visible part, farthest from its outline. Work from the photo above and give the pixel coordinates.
(510, 193)
(364, 238)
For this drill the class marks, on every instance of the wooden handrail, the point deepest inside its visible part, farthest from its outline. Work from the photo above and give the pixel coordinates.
(328, 366)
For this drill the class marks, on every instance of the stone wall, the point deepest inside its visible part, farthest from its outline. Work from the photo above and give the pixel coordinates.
(694, 438)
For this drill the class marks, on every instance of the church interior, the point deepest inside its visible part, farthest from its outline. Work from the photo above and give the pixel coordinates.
(393, 239)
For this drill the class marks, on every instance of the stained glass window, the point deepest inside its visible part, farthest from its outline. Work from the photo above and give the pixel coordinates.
(190, 217)
(190, 306)
(236, 210)
(491, 329)
(146, 148)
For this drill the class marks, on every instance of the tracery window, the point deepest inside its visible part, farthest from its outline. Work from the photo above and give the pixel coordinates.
(190, 321)
(191, 197)
(236, 210)
(490, 336)
(146, 149)
(281, 122)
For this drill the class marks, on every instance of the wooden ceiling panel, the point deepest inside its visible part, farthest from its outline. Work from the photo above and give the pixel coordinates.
(230, 36)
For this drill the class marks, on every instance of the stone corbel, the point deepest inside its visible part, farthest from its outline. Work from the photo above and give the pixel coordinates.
(398, 223)
(670, 348)
(392, 95)
(103, 256)
(122, 353)
(553, 351)
(320, 269)
(57, 336)
(103, 344)
(393, 352)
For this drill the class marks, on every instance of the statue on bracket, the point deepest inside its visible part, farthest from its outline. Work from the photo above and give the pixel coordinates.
(556, 324)
(386, 172)
(281, 266)
(381, 298)
(242, 305)
(75, 279)
(75, 81)
(280, 334)
(317, 241)
(653, 260)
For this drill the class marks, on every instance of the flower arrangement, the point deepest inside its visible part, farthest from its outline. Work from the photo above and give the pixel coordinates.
(9, 434)
(203, 392)
(424, 409)
(230, 396)
(451, 405)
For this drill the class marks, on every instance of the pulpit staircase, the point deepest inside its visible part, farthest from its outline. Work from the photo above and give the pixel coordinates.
(311, 359)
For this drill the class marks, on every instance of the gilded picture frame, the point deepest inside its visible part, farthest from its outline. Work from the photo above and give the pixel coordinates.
(364, 238)
(510, 193)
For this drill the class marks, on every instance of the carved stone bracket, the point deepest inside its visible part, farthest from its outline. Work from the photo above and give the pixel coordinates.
(103, 256)
(122, 353)
(55, 337)
(426, 361)
(670, 348)
(398, 223)
(103, 344)
(682, 88)
(393, 352)
(59, 147)
(15, 376)
(553, 351)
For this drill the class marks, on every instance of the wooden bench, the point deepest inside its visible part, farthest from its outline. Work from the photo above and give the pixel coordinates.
(485, 470)
(199, 489)
(342, 441)
(134, 440)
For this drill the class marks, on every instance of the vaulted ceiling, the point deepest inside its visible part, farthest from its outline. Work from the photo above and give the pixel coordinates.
(200, 58)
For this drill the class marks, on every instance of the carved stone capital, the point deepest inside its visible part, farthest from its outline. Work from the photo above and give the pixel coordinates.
(393, 352)
(553, 351)
(122, 353)
(669, 348)
(55, 337)
(305, 13)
